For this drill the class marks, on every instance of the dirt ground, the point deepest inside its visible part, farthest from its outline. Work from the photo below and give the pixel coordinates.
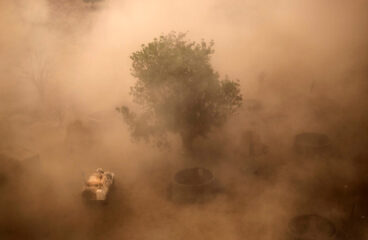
(259, 196)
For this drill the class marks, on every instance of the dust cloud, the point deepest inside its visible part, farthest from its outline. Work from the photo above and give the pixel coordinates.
(302, 67)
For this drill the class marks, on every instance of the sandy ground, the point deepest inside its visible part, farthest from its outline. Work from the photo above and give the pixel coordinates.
(46, 202)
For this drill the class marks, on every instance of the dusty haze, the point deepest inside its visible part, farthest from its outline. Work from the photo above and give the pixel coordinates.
(61, 61)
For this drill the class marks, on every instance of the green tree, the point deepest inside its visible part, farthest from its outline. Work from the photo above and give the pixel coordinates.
(178, 91)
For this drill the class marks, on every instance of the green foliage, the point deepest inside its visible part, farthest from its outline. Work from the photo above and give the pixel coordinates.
(178, 90)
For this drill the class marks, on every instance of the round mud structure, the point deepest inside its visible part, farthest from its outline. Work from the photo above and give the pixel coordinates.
(192, 185)
(311, 227)
(312, 144)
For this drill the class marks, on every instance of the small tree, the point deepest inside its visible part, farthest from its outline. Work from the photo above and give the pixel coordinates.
(178, 91)
(37, 71)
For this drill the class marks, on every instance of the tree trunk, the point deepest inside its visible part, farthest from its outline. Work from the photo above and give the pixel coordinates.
(187, 141)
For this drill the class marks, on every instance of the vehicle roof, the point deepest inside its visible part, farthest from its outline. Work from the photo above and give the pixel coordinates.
(94, 179)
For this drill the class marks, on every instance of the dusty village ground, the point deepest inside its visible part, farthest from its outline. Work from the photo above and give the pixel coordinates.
(303, 63)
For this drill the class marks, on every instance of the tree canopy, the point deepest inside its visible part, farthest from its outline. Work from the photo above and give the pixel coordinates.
(178, 90)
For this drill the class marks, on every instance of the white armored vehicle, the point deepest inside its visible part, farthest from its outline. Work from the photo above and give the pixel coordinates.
(98, 186)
